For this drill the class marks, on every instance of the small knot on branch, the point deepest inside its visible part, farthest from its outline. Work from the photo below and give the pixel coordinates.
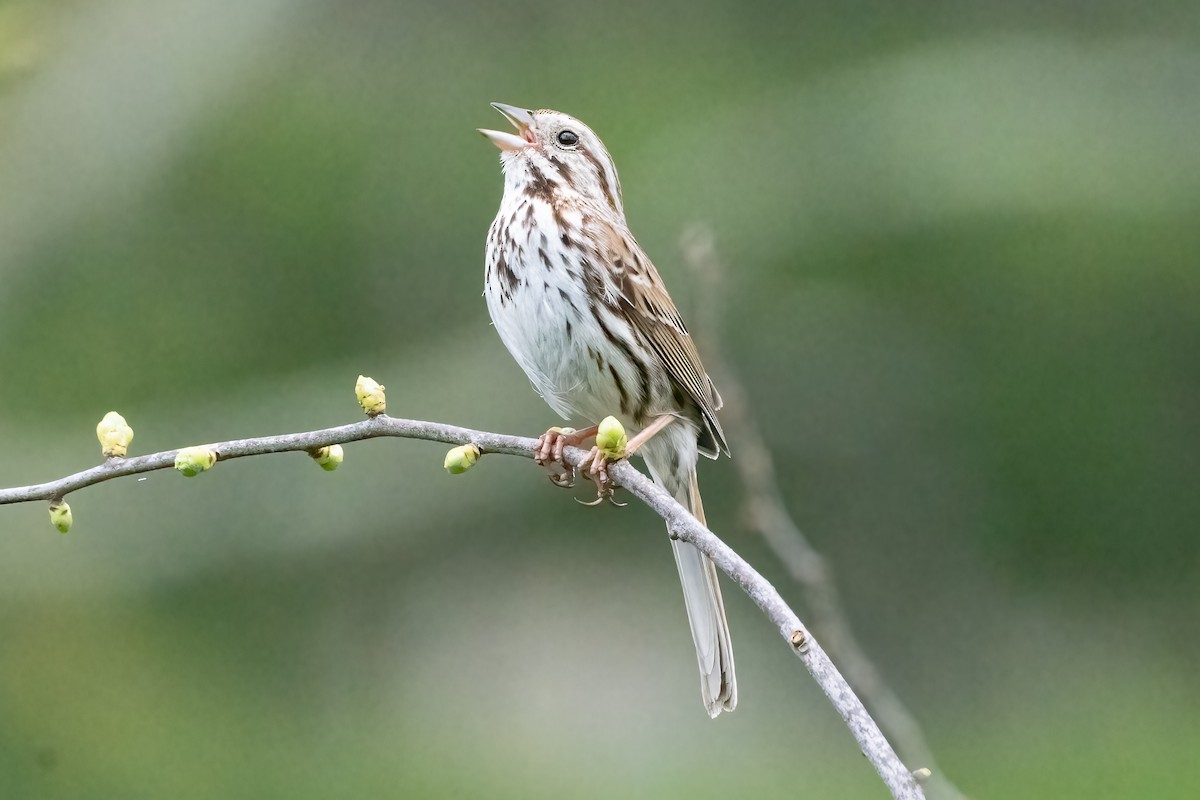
(799, 640)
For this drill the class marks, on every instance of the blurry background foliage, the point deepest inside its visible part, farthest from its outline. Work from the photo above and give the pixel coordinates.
(963, 295)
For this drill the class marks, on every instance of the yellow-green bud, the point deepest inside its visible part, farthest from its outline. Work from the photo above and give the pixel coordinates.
(114, 434)
(461, 459)
(328, 457)
(611, 439)
(191, 461)
(370, 396)
(60, 515)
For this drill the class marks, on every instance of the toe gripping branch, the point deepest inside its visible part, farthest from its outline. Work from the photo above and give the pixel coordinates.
(595, 467)
(611, 445)
(549, 454)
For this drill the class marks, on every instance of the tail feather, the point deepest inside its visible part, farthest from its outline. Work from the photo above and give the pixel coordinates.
(706, 615)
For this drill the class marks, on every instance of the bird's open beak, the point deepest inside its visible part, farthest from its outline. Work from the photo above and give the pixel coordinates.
(521, 119)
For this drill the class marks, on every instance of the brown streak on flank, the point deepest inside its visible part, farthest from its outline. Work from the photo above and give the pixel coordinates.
(604, 187)
(643, 373)
(506, 272)
(612, 370)
(545, 258)
(591, 276)
(566, 298)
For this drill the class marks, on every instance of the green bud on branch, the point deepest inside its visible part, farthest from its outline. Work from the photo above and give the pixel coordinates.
(114, 434)
(329, 457)
(611, 439)
(461, 459)
(60, 515)
(370, 396)
(191, 461)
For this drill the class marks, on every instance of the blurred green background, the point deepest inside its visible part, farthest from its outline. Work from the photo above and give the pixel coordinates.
(963, 296)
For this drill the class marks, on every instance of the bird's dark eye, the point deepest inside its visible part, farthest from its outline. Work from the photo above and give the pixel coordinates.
(568, 138)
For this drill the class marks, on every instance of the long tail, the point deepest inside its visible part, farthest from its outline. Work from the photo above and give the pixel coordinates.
(706, 614)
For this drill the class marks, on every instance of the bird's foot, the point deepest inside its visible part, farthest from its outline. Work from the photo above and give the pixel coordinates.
(595, 467)
(549, 453)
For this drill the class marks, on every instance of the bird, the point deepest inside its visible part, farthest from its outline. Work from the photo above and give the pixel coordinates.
(585, 314)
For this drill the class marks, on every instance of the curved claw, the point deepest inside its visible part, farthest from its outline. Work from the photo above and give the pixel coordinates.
(564, 479)
(595, 467)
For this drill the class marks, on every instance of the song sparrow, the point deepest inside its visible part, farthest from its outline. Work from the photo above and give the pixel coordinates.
(585, 314)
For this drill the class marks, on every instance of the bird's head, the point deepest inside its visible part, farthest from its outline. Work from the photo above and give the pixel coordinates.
(555, 147)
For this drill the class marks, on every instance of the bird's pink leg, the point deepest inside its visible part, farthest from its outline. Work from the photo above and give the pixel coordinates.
(550, 447)
(647, 433)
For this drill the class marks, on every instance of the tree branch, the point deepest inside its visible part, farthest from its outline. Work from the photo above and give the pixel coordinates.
(680, 523)
(374, 428)
(768, 515)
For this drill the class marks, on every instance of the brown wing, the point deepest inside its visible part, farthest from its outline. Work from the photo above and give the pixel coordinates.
(650, 309)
